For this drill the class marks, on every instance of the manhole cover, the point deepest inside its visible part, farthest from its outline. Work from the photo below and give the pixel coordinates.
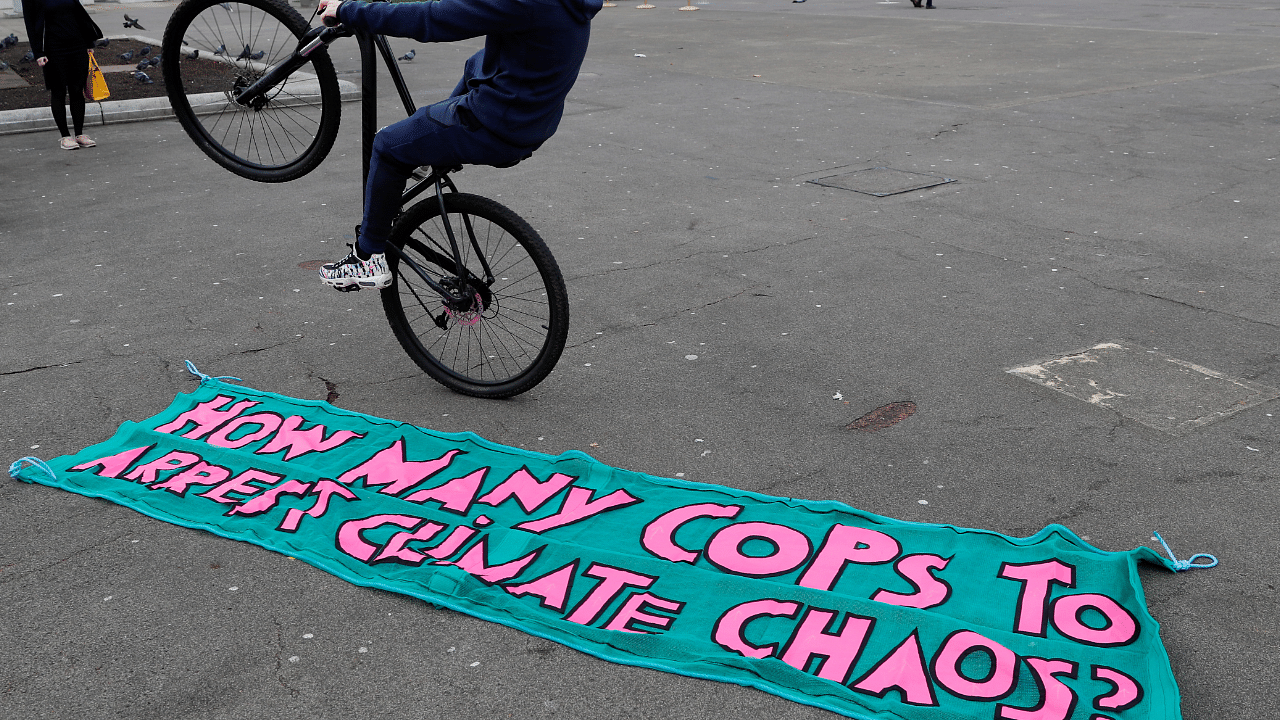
(881, 181)
(1149, 387)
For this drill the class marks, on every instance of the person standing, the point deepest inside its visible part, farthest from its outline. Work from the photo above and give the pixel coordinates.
(62, 34)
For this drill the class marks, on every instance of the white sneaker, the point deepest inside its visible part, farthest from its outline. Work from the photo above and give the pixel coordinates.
(352, 273)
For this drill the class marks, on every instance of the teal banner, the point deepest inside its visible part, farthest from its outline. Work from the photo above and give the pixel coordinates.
(863, 615)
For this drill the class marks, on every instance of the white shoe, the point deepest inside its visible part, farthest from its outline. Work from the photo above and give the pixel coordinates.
(352, 273)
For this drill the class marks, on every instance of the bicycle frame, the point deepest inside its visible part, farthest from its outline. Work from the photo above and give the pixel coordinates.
(371, 46)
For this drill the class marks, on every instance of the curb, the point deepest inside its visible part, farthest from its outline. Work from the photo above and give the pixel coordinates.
(113, 112)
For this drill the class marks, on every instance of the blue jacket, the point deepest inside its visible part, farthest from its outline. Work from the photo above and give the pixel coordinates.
(533, 51)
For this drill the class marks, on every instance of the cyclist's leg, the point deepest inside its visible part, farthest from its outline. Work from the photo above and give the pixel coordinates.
(435, 135)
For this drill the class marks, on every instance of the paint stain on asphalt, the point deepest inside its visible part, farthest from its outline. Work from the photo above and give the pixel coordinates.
(883, 417)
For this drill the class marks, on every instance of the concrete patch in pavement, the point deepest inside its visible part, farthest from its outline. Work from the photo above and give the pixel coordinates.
(1164, 393)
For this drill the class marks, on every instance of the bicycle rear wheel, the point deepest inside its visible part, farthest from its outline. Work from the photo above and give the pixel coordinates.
(212, 49)
(509, 333)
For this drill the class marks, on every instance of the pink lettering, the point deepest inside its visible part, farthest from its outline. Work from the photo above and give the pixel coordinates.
(1121, 627)
(635, 612)
(300, 442)
(455, 495)
(579, 506)
(612, 582)
(553, 587)
(242, 483)
(902, 670)
(113, 465)
(266, 422)
(930, 591)
(659, 535)
(323, 490)
(206, 416)
(396, 551)
(200, 474)
(1057, 701)
(455, 540)
(1033, 598)
(476, 562)
(268, 499)
(1126, 694)
(390, 469)
(847, 544)
(1001, 675)
(836, 651)
(349, 539)
(730, 630)
(527, 489)
(790, 549)
(174, 460)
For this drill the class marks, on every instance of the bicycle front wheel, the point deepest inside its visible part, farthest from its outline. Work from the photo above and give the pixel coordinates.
(213, 49)
(508, 331)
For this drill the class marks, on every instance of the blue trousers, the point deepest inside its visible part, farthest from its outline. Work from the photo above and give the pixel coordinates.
(436, 135)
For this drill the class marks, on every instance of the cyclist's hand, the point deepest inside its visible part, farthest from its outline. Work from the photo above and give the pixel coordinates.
(329, 12)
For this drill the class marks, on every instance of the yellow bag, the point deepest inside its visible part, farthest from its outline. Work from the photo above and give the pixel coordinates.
(95, 87)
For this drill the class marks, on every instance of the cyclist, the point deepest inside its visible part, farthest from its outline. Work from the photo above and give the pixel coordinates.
(509, 101)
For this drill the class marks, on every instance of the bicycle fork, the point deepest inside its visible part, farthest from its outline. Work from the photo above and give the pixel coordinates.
(255, 95)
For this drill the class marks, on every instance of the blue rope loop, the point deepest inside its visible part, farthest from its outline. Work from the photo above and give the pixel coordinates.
(36, 462)
(1187, 564)
(191, 368)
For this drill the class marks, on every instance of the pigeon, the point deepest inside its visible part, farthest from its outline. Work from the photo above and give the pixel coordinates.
(194, 54)
(145, 51)
(154, 61)
(126, 56)
(144, 65)
(8, 42)
(407, 56)
(3, 66)
(28, 57)
(143, 78)
(258, 55)
(222, 50)
(101, 42)
(130, 22)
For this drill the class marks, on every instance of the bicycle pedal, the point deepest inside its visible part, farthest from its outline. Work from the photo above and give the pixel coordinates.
(348, 288)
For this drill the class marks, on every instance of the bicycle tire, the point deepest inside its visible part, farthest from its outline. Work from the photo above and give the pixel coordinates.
(513, 335)
(294, 128)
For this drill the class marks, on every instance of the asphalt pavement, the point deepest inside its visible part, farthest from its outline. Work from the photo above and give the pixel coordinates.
(1112, 170)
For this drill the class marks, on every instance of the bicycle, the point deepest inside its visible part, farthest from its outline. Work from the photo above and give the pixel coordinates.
(251, 82)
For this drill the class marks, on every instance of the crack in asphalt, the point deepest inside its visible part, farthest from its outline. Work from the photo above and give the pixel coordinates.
(952, 129)
(80, 551)
(41, 367)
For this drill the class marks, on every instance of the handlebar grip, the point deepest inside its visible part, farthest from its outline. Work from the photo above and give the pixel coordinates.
(333, 22)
